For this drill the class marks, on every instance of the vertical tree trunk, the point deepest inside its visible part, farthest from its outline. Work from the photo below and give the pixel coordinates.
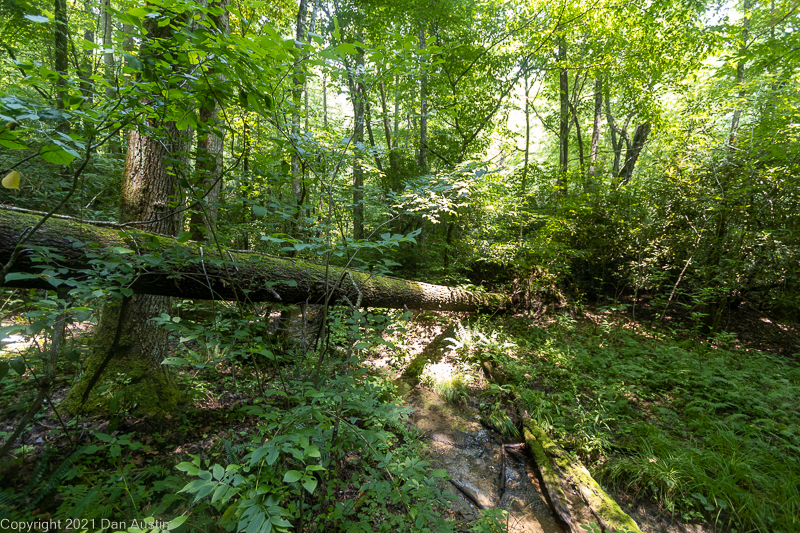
(598, 119)
(60, 56)
(396, 108)
(324, 99)
(524, 184)
(107, 31)
(358, 142)
(209, 163)
(368, 123)
(423, 108)
(737, 113)
(297, 89)
(634, 150)
(131, 348)
(563, 130)
(87, 68)
(616, 145)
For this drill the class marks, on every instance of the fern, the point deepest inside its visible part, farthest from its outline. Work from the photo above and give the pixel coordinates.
(166, 503)
(55, 478)
(8, 500)
(232, 452)
(37, 474)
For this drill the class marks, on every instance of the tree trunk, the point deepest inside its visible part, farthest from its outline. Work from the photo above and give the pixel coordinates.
(423, 109)
(60, 57)
(633, 151)
(297, 168)
(130, 347)
(563, 130)
(368, 122)
(598, 119)
(267, 278)
(737, 113)
(209, 162)
(357, 95)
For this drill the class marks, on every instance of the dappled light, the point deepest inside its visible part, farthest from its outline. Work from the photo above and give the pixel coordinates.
(369, 265)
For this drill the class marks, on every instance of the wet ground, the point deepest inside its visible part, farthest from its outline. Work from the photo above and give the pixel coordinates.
(473, 457)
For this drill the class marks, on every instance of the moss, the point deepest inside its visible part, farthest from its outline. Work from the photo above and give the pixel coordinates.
(602, 505)
(132, 381)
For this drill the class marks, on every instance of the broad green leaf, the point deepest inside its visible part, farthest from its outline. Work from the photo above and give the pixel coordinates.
(57, 155)
(292, 475)
(9, 139)
(259, 211)
(188, 467)
(18, 365)
(4, 368)
(310, 483)
(20, 275)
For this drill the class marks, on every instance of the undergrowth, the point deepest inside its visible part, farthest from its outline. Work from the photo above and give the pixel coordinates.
(707, 432)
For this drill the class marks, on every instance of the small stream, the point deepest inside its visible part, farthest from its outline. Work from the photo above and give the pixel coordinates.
(472, 456)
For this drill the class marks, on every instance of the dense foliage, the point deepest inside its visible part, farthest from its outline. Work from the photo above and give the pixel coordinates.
(638, 156)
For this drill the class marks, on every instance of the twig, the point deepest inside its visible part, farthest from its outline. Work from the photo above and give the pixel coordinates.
(469, 496)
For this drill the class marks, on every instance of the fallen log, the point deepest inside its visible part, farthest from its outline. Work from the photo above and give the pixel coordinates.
(577, 497)
(162, 266)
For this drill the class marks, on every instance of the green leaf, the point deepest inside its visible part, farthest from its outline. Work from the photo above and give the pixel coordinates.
(183, 236)
(177, 522)
(20, 275)
(312, 451)
(218, 472)
(57, 155)
(310, 483)
(292, 475)
(126, 291)
(279, 522)
(120, 250)
(4, 368)
(9, 139)
(132, 61)
(439, 473)
(259, 211)
(174, 361)
(18, 365)
(188, 467)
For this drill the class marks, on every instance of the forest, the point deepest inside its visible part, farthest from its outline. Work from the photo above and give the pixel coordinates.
(385, 265)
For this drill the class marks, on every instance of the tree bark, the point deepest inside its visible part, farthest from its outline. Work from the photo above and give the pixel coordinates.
(209, 162)
(563, 130)
(423, 108)
(298, 83)
(267, 278)
(130, 347)
(357, 94)
(737, 113)
(60, 57)
(598, 119)
(634, 150)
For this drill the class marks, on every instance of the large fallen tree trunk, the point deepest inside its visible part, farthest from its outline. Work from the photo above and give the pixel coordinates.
(163, 266)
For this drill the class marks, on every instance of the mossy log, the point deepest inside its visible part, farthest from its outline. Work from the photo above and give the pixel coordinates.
(576, 496)
(162, 266)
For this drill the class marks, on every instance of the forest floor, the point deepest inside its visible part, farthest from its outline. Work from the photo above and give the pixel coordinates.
(688, 434)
